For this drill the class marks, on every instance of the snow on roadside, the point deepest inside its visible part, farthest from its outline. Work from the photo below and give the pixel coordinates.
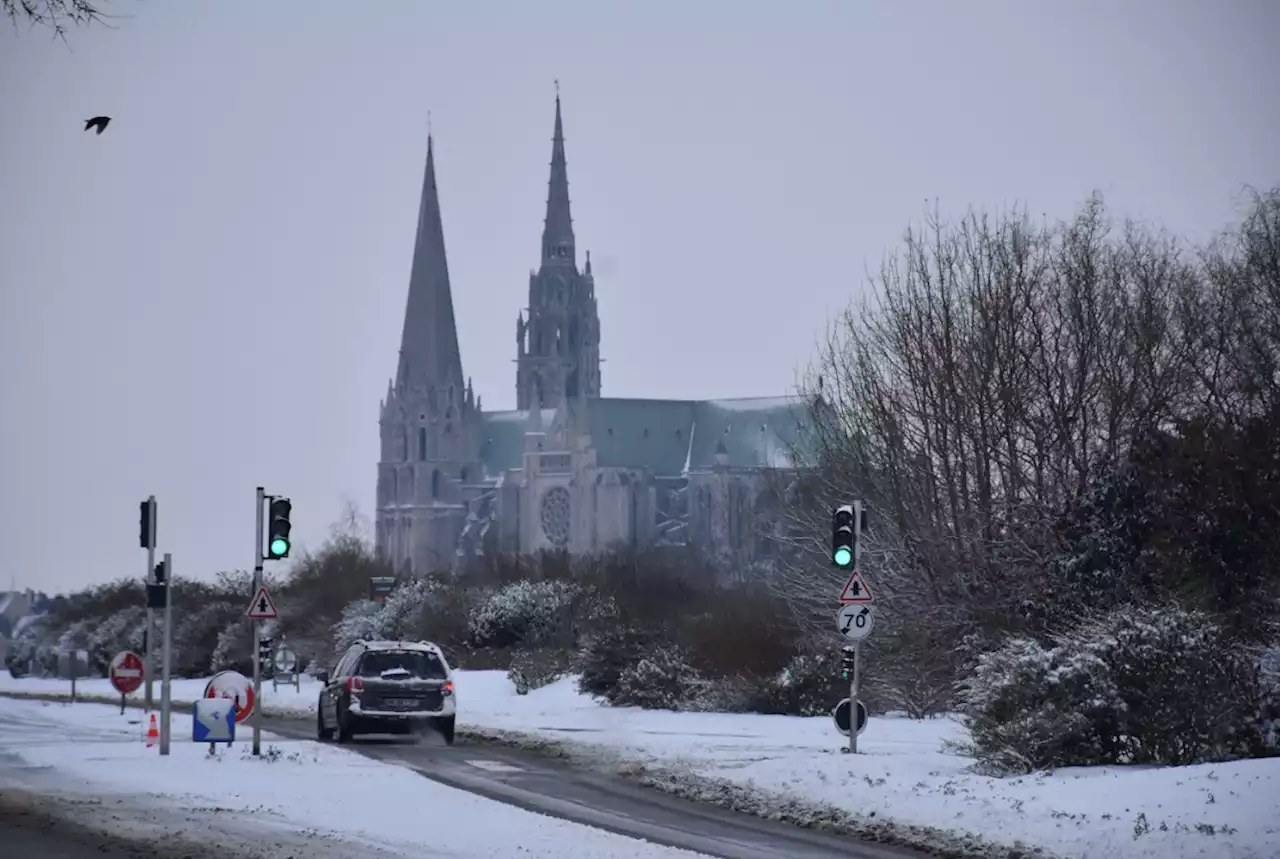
(772, 765)
(337, 797)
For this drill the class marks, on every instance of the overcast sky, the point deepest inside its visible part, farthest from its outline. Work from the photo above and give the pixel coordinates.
(208, 297)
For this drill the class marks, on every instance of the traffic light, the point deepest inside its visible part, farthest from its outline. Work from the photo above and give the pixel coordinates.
(147, 524)
(156, 587)
(847, 658)
(843, 540)
(264, 651)
(278, 529)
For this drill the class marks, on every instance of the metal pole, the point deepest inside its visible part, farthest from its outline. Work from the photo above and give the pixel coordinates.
(148, 670)
(857, 645)
(166, 659)
(257, 630)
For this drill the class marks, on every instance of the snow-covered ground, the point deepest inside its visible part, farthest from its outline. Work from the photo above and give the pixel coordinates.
(1220, 811)
(295, 793)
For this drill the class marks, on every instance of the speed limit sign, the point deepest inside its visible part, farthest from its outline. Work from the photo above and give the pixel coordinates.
(855, 621)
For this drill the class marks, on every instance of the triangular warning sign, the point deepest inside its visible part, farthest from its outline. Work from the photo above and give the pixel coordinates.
(261, 607)
(856, 590)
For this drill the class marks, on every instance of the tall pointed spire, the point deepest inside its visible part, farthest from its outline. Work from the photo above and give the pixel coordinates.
(429, 352)
(557, 230)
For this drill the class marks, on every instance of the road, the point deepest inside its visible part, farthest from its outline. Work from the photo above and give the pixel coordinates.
(520, 778)
(31, 828)
(537, 783)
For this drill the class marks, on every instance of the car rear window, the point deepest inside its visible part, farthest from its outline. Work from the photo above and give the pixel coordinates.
(424, 666)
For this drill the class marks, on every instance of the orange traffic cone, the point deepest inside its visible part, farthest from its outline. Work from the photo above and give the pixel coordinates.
(153, 732)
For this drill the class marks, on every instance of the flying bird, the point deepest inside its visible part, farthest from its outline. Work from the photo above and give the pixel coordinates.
(99, 122)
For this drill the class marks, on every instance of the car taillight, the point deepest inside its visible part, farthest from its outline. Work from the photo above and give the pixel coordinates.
(354, 684)
(447, 688)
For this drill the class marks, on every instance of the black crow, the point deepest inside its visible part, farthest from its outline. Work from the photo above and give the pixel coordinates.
(99, 122)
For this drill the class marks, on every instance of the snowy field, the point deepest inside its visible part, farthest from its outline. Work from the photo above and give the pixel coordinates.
(1220, 811)
(332, 800)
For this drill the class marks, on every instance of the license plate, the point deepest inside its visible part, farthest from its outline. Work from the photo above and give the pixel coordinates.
(404, 703)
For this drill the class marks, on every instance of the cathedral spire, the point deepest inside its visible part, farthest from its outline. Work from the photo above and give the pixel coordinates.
(429, 354)
(557, 230)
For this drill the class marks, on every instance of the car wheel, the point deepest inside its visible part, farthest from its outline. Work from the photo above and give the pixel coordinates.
(444, 727)
(322, 733)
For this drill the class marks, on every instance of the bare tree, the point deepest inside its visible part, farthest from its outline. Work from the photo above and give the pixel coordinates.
(999, 368)
(56, 15)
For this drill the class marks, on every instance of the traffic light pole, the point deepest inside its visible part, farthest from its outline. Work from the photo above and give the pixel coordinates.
(257, 629)
(857, 645)
(148, 664)
(166, 659)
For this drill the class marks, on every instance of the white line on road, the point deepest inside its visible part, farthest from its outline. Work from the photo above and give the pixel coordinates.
(496, 766)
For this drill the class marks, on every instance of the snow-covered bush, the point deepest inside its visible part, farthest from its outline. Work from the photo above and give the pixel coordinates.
(605, 654)
(524, 612)
(662, 679)
(1029, 707)
(533, 668)
(1140, 685)
(361, 619)
(234, 651)
(810, 685)
(123, 630)
(1190, 692)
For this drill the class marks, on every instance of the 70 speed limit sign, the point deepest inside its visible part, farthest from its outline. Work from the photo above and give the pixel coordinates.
(855, 621)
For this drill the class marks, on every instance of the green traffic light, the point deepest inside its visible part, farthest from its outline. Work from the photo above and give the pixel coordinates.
(279, 546)
(843, 557)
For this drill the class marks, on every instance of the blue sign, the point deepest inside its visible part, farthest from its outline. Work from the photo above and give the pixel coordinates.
(214, 720)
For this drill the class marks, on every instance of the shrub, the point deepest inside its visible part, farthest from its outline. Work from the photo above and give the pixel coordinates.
(604, 655)
(662, 679)
(537, 667)
(810, 685)
(524, 612)
(1032, 708)
(1191, 693)
(1153, 685)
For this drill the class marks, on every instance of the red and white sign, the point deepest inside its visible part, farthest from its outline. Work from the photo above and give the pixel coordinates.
(126, 672)
(234, 686)
(261, 607)
(856, 590)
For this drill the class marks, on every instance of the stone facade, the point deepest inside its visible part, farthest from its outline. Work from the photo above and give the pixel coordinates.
(568, 468)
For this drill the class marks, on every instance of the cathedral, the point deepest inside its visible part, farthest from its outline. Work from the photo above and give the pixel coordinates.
(568, 468)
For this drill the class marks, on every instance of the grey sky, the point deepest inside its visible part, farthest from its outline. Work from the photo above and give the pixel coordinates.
(734, 167)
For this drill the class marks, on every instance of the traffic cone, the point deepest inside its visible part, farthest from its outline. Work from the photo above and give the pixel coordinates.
(153, 732)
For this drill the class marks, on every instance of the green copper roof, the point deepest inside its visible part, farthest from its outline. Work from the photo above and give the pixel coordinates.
(667, 437)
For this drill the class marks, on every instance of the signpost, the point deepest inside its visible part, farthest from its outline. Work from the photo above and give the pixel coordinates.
(856, 618)
(840, 713)
(166, 659)
(284, 668)
(213, 721)
(126, 674)
(260, 595)
(148, 511)
(234, 687)
(855, 622)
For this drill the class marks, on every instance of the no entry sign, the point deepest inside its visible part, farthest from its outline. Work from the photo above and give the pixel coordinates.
(126, 672)
(233, 685)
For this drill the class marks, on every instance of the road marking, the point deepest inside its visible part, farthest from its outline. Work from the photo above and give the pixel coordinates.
(496, 766)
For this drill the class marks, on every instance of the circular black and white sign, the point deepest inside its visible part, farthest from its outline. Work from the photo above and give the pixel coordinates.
(855, 621)
(285, 661)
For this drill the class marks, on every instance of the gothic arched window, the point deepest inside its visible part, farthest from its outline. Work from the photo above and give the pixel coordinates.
(422, 444)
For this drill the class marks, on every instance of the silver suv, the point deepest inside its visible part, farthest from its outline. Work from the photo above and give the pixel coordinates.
(385, 687)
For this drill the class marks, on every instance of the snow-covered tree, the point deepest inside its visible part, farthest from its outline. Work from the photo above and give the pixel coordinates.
(524, 612)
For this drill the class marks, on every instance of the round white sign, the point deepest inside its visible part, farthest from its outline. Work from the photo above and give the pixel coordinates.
(855, 621)
(285, 661)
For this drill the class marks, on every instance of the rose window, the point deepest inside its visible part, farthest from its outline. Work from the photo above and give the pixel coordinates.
(555, 516)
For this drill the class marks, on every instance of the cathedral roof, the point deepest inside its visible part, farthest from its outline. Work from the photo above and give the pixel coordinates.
(667, 437)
